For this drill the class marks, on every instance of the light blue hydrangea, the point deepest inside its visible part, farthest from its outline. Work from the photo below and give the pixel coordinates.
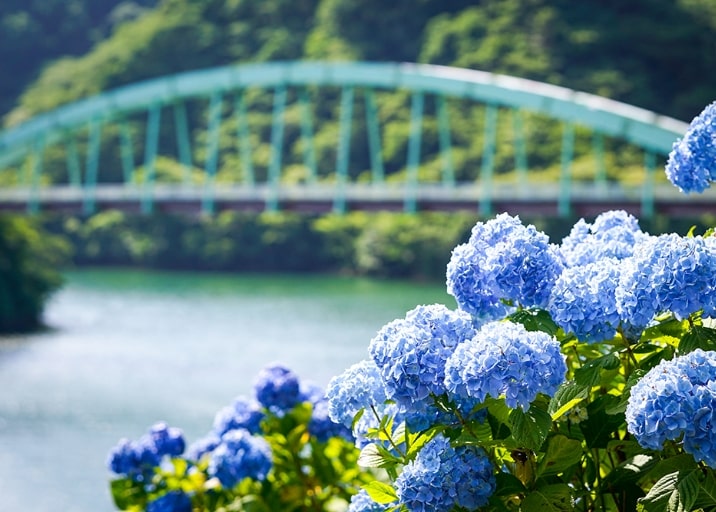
(277, 388)
(361, 502)
(442, 477)
(505, 359)
(240, 455)
(614, 234)
(357, 388)
(667, 273)
(691, 166)
(242, 413)
(583, 300)
(677, 400)
(173, 501)
(202, 446)
(410, 353)
(322, 427)
(504, 261)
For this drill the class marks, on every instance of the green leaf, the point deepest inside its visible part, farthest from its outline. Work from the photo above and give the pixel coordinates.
(669, 331)
(381, 492)
(674, 492)
(550, 498)
(370, 457)
(589, 374)
(599, 427)
(530, 428)
(127, 493)
(698, 337)
(628, 472)
(707, 492)
(567, 396)
(535, 320)
(562, 453)
(508, 485)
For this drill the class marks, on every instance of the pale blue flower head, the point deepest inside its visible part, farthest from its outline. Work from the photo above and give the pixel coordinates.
(613, 234)
(691, 166)
(442, 477)
(167, 440)
(504, 359)
(410, 353)
(667, 273)
(240, 455)
(583, 300)
(503, 262)
(359, 387)
(676, 400)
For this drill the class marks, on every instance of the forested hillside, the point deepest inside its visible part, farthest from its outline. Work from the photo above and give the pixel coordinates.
(657, 54)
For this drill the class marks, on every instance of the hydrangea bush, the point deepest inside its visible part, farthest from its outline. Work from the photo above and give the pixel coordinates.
(578, 375)
(276, 451)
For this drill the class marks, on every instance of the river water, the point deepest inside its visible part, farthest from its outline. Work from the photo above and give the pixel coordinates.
(125, 349)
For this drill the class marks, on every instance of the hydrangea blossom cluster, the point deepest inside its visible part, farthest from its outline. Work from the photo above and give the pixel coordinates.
(504, 261)
(242, 413)
(692, 162)
(613, 234)
(667, 273)
(583, 300)
(277, 388)
(505, 359)
(442, 477)
(677, 398)
(240, 455)
(410, 353)
(137, 459)
(359, 387)
(173, 501)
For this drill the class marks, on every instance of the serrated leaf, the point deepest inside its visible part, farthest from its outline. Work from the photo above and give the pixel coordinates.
(357, 418)
(657, 499)
(381, 492)
(599, 427)
(127, 493)
(688, 491)
(707, 492)
(507, 484)
(529, 429)
(562, 453)
(698, 337)
(590, 373)
(567, 396)
(417, 444)
(628, 472)
(550, 498)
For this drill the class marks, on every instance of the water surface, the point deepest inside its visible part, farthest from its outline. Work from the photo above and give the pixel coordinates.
(125, 349)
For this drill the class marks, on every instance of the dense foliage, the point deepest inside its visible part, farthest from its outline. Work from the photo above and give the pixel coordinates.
(30, 261)
(277, 450)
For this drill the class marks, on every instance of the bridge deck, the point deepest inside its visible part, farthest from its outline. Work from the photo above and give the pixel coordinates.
(585, 199)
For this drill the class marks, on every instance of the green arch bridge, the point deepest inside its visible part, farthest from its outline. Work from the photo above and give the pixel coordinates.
(130, 126)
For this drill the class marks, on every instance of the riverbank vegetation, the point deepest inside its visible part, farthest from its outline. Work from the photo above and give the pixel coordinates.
(30, 262)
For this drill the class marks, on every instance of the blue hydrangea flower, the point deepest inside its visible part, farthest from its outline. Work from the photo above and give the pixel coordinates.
(277, 388)
(173, 501)
(240, 455)
(677, 399)
(311, 392)
(691, 166)
(167, 440)
(202, 446)
(410, 353)
(614, 234)
(442, 477)
(505, 359)
(137, 459)
(667, 273)
(322, 427)
(504, 261)
(362, 502)
(357, 388)
(583, 300)
(242, 413)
